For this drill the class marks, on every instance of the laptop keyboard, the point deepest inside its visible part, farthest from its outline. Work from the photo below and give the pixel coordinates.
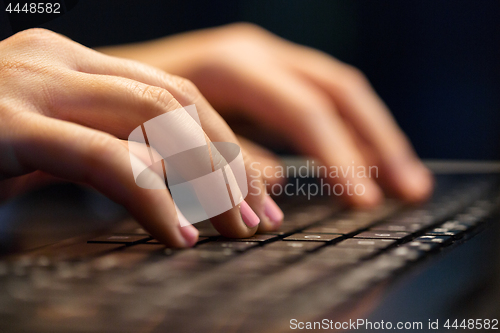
(321, 258)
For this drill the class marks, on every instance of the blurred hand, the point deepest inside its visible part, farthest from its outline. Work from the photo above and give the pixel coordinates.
(66, 111)
(321, 106)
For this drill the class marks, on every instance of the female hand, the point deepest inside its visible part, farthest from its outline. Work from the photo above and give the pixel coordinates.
(65, 111)
(321, 106)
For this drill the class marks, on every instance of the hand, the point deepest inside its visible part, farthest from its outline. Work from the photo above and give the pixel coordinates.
(323, 107)
(66, 110)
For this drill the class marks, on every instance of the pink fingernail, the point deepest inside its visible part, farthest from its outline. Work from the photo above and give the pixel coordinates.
(190, 235)
(272, 211)
(188, 231)
(248, 215)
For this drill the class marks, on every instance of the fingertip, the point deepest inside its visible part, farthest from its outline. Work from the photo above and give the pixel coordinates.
(189, 234)
(409, 179)
(273, 212)
(419, 183)
(371, 197)
(248, 215)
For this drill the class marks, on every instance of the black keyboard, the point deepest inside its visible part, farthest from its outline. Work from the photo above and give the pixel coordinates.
(321, 258)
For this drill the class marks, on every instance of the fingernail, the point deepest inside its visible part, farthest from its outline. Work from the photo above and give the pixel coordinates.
(248, 215)
(272, 211)
(188, 231)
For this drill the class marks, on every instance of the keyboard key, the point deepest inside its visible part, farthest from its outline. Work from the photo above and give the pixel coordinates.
(406, 252)
(286, 281)
(454, 225)
(249, 264)
(454, 229)
(382, 235)
(366, 243)
(310, 263)
(343, 222)
(145, 247)
(423, 246)
(234, 246)
(360, 219)
(200, 241)
(118, 259)
(467, 219)
(385, 264)
(283, 230)
(195, 256)
(331, 230)
(312, 237)
(293, 246)
(445, 232)
(344, 254)
(434, 239)
(120, 239)
(254, 238)
(78, 251)
(272, 257)
(405, 227)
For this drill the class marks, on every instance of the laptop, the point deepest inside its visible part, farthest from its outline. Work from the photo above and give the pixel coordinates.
(73, 261)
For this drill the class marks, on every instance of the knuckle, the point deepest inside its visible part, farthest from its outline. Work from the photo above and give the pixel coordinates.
(102, 144)
(44, 45)
(247, 28)
(186, 88)
(33, 33)
(354, 78)
(35, 36)
(248, 161)
(242, 40)
(157, 97)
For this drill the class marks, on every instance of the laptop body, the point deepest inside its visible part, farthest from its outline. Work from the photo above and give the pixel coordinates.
(327, 268)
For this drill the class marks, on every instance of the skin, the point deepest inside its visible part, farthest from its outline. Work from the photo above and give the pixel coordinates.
(66, 111)
(324, 108)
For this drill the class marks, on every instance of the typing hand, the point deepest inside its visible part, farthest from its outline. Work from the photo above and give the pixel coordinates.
(66, 111)
(321, 106)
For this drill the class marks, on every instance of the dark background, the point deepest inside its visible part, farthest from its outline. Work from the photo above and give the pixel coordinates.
(436, 63)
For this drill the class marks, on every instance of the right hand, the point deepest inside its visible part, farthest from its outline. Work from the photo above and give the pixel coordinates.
(307, 99)
(66, 110)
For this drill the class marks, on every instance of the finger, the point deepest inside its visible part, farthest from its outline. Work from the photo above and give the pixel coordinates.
(119, 105)
(307, 117)
(88, 156)
(14, 186)
(403, 171)
(265, 161)
(386, 177)
(269, 167)
(268, 212)
(215, 128)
